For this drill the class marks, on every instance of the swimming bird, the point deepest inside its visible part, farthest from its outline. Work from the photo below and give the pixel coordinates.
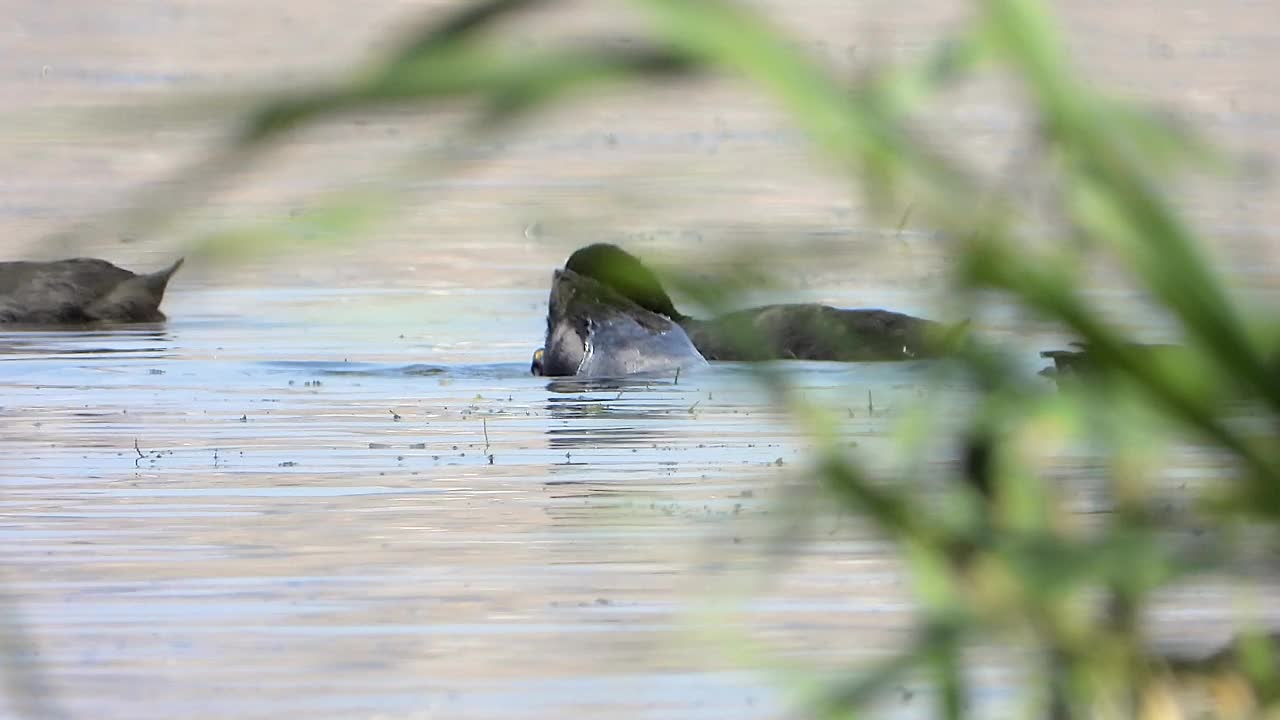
(1080, 359)
(1232, 682)
(80, 291)
(803, 331)
(594, 331)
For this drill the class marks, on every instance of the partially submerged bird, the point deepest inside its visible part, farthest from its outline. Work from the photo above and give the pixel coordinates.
(1230, 683)
(805, 331)
(79, 291)
(1080, 359)
(594, 331)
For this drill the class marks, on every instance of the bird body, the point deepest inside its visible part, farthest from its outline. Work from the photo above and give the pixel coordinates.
(796, 331)
(80, 291)
(593, 331)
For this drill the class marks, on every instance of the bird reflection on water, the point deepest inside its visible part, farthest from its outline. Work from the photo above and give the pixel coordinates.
(144, 341)
(616, 413)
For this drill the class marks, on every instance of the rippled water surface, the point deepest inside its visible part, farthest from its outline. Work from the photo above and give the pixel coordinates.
(257, 517)
(328, 486)
(253, 516)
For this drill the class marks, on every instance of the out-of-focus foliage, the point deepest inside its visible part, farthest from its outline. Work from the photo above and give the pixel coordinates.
(1001, 563)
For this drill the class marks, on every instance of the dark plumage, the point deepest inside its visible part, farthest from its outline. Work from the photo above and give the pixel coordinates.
(792, 331)
(79, 291)
(595, 331)
(1079, 360)
(808, 331)
(623, 272)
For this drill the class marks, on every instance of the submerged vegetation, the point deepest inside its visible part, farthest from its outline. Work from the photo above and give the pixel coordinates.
(995, 560)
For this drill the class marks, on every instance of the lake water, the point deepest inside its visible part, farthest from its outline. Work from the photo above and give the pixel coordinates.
(244, 516)
(329, 487)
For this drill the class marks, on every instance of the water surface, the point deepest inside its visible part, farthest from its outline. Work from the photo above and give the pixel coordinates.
(256, 516)
(328, 487)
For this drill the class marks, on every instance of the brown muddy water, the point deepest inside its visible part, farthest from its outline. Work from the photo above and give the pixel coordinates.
(328, 487)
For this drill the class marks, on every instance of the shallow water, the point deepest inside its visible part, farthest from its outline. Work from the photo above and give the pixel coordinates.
(252, 517)
(328, 486)
(276, 527)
